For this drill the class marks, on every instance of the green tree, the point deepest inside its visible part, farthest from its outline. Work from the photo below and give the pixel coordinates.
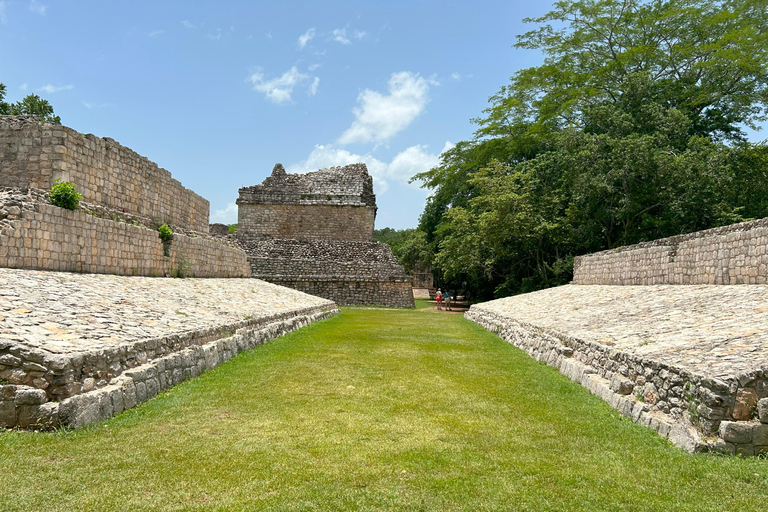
(31, 104)
(409, 246)
(705, 58)
(630, 130)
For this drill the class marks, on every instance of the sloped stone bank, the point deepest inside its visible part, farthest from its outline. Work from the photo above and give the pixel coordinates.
(79, 348)
(689, 362)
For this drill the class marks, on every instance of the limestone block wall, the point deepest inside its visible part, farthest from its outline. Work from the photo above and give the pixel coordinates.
(46, 237)
(34, 154)
(735, 254)
(347, 272)
(393, 294)
(307, 221)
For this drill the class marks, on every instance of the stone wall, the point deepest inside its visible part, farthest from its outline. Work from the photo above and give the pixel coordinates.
(347, 272)
(41, 236)
(735, 254)
(218, 229)
(329, 222)
(34, 154)
(331, 204)
(393, 294)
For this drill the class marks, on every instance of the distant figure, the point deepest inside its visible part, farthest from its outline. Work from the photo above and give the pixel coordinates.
(439, 299)
(447, 300)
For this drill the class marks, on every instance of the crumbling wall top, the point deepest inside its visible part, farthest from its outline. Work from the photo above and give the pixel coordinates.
(350, 185)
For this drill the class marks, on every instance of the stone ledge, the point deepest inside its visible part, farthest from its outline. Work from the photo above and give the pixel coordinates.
(544, 348)
(648, 353)
(26, 407)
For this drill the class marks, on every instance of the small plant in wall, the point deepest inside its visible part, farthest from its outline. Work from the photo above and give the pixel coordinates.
(64, 195)
(166, 235)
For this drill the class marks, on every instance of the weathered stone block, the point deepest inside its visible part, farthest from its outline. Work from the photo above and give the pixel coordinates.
(762, 410)
(736, 432)
(621, 385)
(746, 402)
(141, 392)
(760, 435)
(30, 396)
(7, 414)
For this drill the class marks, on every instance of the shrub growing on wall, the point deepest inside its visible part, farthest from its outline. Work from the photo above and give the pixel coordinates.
(64, 194)
(166, 235)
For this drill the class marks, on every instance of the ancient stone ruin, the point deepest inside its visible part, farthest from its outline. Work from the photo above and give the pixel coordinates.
(314, 232)
(86, 330)
(644, 328)
(125, 198)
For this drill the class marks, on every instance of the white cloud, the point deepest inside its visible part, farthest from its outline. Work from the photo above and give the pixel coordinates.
(23, 87)
(214, 36)
(340, 35)
(37, 7)
(3, 19)
(313, 67)
(278, 90)
(50, 89)
(410, 162)
(403, 166)
(306, 37)
(313, 88)
(358, 34)
(156, 33)
(379, 117)
(226, 216)
(90, 105)
(188, 24)
(456, 76)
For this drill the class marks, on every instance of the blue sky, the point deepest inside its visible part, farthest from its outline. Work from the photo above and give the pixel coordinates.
(218, 92)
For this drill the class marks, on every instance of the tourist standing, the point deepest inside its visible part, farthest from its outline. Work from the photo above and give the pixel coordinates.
(447, 300)
(439, 299)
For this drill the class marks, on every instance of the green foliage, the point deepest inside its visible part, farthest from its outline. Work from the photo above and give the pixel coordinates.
(705, 58)
(629, 131)
(31, 104)
(232, 228)
(166, 235)
(64, 194)
(409, 246)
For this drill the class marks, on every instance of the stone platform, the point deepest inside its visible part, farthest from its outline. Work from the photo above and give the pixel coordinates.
(671, 357)
(77, 348)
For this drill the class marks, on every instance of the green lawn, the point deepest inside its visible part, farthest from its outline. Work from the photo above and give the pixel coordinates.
(374, 409)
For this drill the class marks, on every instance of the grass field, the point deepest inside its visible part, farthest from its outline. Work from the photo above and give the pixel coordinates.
(374, 409)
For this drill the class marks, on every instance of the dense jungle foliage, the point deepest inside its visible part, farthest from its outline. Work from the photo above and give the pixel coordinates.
(631, 130)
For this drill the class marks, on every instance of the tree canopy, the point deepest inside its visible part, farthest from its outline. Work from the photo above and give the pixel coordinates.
(631, 129)
(31, 104)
